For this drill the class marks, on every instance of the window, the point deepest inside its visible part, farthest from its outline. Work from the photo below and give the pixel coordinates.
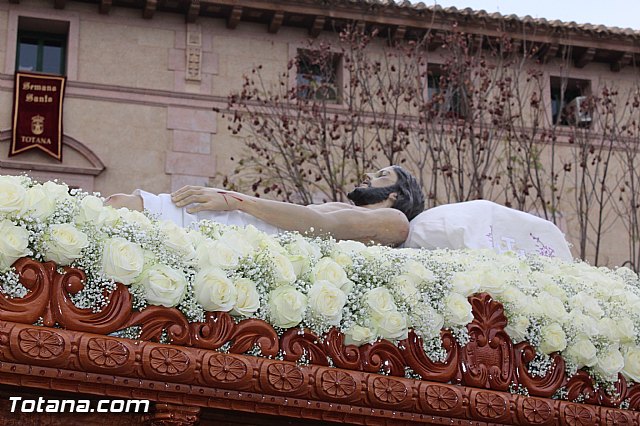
(317, 76)
(570, 101)
(445, 95)
(41, 46)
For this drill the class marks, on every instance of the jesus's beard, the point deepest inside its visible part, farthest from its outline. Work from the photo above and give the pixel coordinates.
(367, 196)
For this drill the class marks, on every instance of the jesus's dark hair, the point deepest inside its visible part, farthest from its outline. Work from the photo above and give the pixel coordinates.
(410, 199)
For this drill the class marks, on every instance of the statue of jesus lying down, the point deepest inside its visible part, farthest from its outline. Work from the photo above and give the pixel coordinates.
(387, 209)
(385, 202)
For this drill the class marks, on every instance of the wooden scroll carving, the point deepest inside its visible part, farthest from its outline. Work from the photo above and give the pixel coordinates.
(471, 384)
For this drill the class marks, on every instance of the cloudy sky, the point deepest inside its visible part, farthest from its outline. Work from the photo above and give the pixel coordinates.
(618, 13)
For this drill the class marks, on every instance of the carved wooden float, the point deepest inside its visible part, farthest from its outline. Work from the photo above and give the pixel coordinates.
(192, 381)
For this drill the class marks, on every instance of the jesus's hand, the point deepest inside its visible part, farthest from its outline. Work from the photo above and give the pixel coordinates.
(201, 198)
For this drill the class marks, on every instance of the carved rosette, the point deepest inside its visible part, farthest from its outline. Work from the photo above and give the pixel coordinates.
(226, 370)
(167, 362)
(106, 354)
(441, 399)
(284, 378)
(617, 418)
(39, 346)
(337, 385)
(388, 391)
(490, 406)
(578, 415)
(535, 411)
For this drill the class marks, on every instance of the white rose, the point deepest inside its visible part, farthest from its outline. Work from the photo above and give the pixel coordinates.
(342, 258)
(458, 309)
(326, 302)
(135, 217)
(392, 326)
(515, 297)
(13, 244)
(609, 329)
(283, 268)
(237, 240)
(631, 300)
(301, 246)
(12, 194)
(328, 269)
(358, 335)
(38, 203)
(495, 281)
(65, 243)
(301, 264)
(163, 285)
(551, 306)
(418, 271)
(589, 305)
(380, 301)
(607, 285)
(465, 283)
(248, 298)
(196, 237)
(90, 209)
(625, 330)
(286, 306)
(631, 368)
(610, 363)
(214, 290)
(177, 239)
(584, 324)
(555, 290)
(57, 191)
(406, 287)
(254, 237)
(583, 353)
(517, 328)
(375, 252)
(351, 247)
(216, 254)
(553, 338)
(122, 260)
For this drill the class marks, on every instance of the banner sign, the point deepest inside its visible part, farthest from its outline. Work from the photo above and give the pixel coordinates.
(37, 114)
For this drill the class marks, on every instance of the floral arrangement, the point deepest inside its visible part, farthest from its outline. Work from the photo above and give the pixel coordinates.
(590, 315)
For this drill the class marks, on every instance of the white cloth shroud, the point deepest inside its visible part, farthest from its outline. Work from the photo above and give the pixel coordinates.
(483, 224)
(162, 206)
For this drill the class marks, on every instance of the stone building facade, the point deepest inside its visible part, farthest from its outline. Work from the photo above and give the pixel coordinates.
(145, 78)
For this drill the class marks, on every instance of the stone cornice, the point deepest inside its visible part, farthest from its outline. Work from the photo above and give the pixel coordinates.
(413, 20)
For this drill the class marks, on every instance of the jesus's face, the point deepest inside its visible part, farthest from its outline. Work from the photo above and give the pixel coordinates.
(375, 188)
(380, 179)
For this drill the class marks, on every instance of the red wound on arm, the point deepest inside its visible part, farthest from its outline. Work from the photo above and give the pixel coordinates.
(225, 194)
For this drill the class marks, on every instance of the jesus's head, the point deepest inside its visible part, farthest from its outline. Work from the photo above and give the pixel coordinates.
(391, 183)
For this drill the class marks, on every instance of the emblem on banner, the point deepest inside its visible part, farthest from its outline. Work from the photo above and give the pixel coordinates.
(37, 124)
